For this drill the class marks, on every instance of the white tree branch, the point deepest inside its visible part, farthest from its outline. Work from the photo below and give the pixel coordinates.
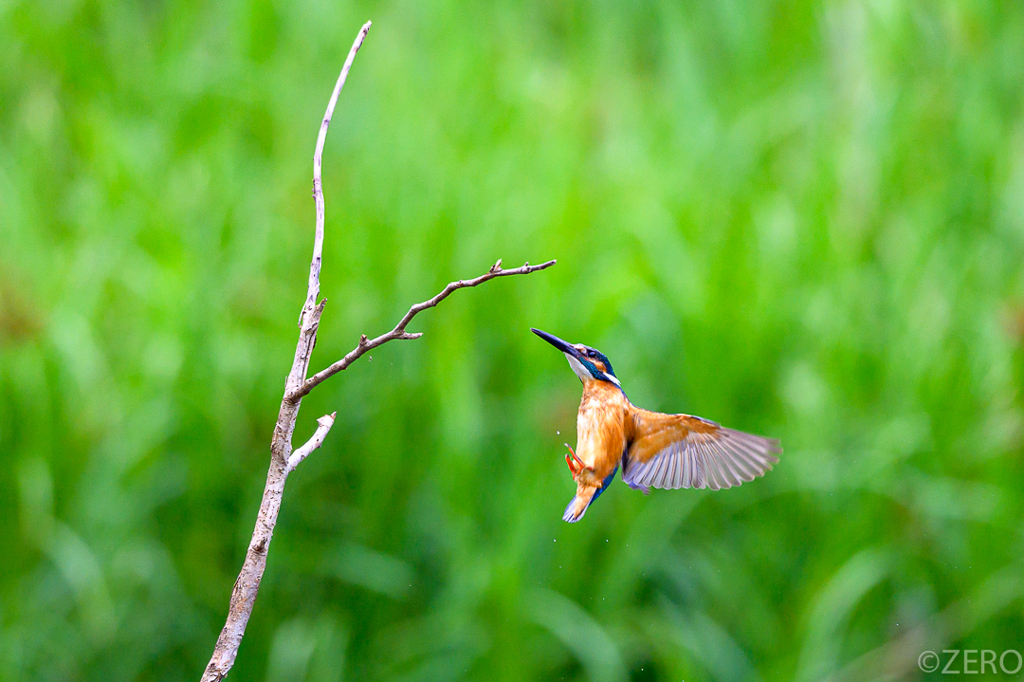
(243, 596)
(282, 459)
(315, 441)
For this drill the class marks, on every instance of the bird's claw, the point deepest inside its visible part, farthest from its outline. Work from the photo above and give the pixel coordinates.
(576, 465)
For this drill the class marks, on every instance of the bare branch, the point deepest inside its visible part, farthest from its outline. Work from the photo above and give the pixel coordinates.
(399, 333)
(282, 460)
(243, 596)
(317, 439)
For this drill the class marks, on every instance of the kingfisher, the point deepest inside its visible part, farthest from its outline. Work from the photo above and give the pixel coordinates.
(655, 450)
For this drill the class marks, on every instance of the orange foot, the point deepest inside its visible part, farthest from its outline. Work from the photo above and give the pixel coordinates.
(576, 465)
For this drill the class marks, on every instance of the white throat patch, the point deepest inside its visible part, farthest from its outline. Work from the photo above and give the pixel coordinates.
(584, 374)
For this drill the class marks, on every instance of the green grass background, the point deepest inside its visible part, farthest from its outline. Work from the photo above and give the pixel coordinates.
(803, 219)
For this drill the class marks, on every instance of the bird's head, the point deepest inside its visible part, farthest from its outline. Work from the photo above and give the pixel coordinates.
(589, 363)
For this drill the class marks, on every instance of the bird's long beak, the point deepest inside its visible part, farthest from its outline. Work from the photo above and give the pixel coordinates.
(558, 343)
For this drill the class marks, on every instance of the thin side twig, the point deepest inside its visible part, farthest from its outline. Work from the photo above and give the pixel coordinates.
(317, 439)
(399, 332)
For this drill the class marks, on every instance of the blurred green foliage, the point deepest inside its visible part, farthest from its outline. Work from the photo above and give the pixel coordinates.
(800, 219)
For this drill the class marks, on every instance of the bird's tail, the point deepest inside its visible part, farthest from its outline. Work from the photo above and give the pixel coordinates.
(584, 497)
(578, 506)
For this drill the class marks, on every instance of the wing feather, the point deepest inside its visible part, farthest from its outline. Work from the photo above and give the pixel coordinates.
(687, 471)
(716, 478)
(673, 451)
(745, 468)
(721, 467)
(730, 463)
(657, 477)
(699, 479)
(735, 471)
(672, 470)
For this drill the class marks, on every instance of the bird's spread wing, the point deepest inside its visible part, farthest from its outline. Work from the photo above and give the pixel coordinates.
(681, 451)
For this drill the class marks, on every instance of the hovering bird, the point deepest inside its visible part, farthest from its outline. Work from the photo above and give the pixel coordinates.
(655, 450)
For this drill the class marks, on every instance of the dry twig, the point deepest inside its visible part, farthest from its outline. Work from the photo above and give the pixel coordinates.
(283, 460)
(399, 332)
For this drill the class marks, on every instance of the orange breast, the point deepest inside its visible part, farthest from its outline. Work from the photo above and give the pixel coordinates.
(601, 427)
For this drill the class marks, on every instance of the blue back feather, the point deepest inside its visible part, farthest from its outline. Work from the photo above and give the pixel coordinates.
(604, 485)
